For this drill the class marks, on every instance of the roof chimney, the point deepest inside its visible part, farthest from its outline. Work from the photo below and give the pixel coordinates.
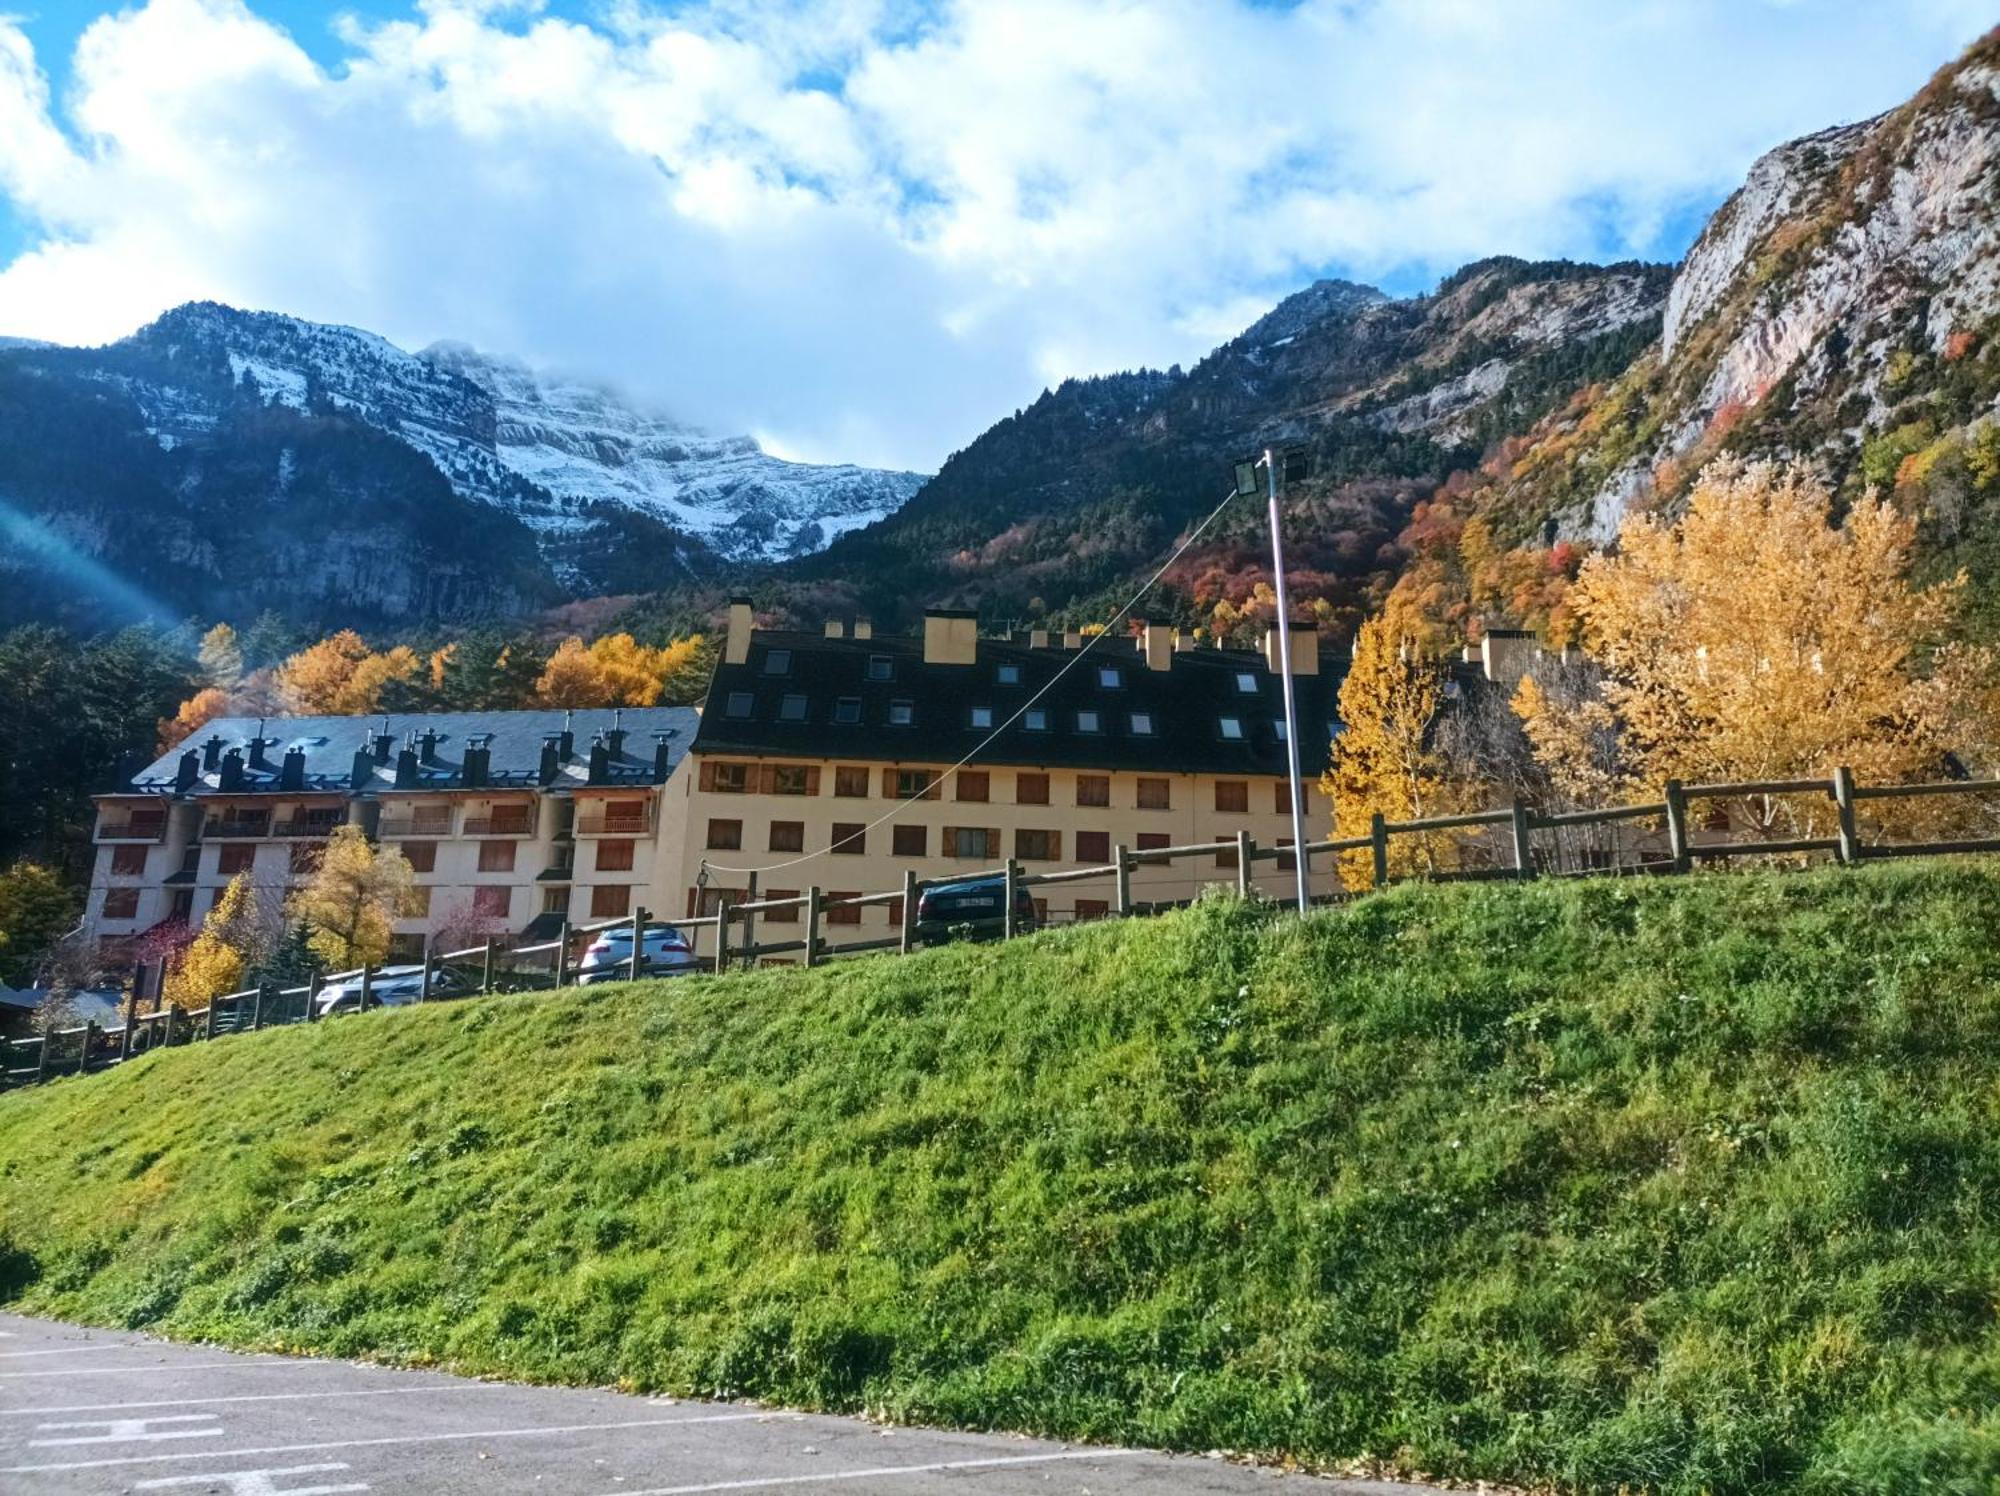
(1305, 649)
(1181, 641)
(475, 771)
(663, 758)
(1507, 654)
(231, 770)
(1038, 638)
(363, 772)
(1158, 642)
(384, 741)
(864, 628)
(257, 746)
(211, 753)
(427, 746)
(566, 739)
(951, 636)
(551, 760)
(407, 776)
(835, 629)
(600, 763)
(736, 646)
(293, 775)
(1072, 639)
(188, 771)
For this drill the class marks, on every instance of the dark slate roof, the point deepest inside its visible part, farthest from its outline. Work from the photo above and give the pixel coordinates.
(514, 744)
(1186, 703)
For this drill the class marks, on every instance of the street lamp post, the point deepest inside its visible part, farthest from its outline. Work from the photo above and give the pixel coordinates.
(1246, 484)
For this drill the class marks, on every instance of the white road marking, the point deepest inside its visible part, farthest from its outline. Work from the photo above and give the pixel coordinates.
(255, 1482)
(129, 1430)
(94, 1371)
(880, 1472)
(72, 1350)
(485, 1433)
(259, 1397)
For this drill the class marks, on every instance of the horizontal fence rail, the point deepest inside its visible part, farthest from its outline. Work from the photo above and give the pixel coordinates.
(733, 936)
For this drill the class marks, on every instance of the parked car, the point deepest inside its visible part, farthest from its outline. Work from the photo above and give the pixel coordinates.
(664, 952)
(391, 987)
(973, 909)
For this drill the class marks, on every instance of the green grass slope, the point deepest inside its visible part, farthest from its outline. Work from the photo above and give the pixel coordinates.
(1689, 1185)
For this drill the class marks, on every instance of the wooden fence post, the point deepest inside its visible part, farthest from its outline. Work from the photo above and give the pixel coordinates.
(1677, 826)
(1245, 885)
(486, 967)
(721, 934)
(42, 1060)
(562, 952)
(131, 1017)
(908, 934)
(367, 987)
(1524, 850)
(312, 994)
(812, 925)
(257, 1009)
(424, 976)
(749, 921)
(208, 1022)
(638, 942)
(1378, 837)
(1122, 882)
(89, 1038)
(1849, 850)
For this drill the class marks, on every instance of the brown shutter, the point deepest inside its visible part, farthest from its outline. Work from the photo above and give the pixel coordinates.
(995, 850)
(950, 847)
(708, 774)
(812, 779)
(767, 778)
(888, 784)
(935, 787)
(1055, 846)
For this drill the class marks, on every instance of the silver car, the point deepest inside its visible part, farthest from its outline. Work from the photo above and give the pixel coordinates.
(664, 952)
(390, 987)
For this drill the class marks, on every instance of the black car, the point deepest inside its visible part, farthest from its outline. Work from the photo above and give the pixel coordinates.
(972, 909)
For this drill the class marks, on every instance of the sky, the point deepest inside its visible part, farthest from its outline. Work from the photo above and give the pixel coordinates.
(863, 230)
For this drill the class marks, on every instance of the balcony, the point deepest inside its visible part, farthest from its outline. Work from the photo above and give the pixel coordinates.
(237, 828)
(394, 828)
(133, 829)
(636, 822)
(301, 827)
(502, 820)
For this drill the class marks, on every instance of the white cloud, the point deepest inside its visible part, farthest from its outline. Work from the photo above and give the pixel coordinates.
(869, 229)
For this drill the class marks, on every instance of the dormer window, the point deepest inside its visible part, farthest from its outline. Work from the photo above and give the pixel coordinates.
(778, 662)
(1278, 726)
(792, 708)
(1035, 719)
(881, 667)
(847, 712)
(1008, 675)
(902, 713)
(1246, 682)
(1110, 677)
(739, 705)
(1232, 729)
(1089, 721)
(1142, 724)
(982, 716)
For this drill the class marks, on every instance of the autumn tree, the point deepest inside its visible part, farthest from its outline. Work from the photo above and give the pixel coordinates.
(352, 899)
(225, 947)
(1385, 760)
(35, 909)
(1755, 639)
(570, 678)
(342, 677)
(220, 657)
(193, 714)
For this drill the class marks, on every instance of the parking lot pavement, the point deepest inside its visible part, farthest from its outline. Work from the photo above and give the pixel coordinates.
(105, 1411)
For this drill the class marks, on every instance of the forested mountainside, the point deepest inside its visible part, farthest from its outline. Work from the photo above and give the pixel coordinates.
(1840, 308)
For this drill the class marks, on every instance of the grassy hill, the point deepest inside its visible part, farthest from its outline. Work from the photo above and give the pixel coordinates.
(1689, 1186)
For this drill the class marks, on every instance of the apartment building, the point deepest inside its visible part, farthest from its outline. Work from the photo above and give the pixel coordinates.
(511, 820)
(810, 744)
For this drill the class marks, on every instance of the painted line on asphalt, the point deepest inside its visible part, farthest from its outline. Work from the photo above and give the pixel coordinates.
(484, 1433)
(98, 1371)
(74, 1350)
(880, 1472)
(259, 1397)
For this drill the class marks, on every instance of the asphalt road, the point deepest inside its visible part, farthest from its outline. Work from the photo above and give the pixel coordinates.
(105, 1411)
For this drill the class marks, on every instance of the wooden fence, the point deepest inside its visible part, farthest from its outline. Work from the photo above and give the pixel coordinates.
(491, 967)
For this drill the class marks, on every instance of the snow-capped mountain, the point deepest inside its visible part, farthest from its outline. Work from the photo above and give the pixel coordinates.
(563, 456)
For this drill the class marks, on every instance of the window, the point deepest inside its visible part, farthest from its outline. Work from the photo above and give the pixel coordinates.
(1246, 682)
(305, 857)
(181, 907)
(1035, 719)
(1093, 789)
(1008, 675)
(231, 860)
(908, 841)
(847, 712)
(1142, 724)
(739, 704)
(1031, 789)
(793, 779)
(726, 779)
(1278, 727)
(777, 662)
(121, 903)
(1232, 728)
(1287, 863)
(611, 901)
(850, 781)
(1088, 909)
(789, 915)
(421, 856)
(555, 901)
(975, 785)
(130, 862)
(1281, 798)
(791, 707)
(881, 667)
(902, 713)
(1109, 677)
(1089, 721)
(842, 914)
(1155, 794)
(850, 839)
(492, 903)
(1151, 841)
(615, 856)
(896, 912)
(971, 841)
(910, 784)
(496, 857)
(982, 716)
(725, 836)
(1038, 846)
(788, 836)
(1093, 846)
(417, 904)
(1232, 796)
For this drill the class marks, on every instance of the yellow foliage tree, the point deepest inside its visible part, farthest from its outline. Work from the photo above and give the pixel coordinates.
(571, 678)
(617, 670)
(215, 959)
(195, 713)
(352, 899)
(342, 677)
(1754, 639)
(1384, 762)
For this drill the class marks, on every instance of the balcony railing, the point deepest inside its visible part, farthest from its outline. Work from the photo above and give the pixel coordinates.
(132, 830)
(299, 827)
(224, 827)
(393, 828)
(614, 822)
(517, 820)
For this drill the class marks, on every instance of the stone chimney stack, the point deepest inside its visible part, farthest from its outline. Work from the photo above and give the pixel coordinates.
(1305, 649)
(292, 775)
(864, 628)
(736, 646)
(1038, 638)
(835, 629)
(1158, 642)
(1072, 639)
(951, 636)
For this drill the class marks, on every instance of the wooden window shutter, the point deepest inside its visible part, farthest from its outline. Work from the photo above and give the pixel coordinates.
(708, 774)
(993, 852)
(888, 784)
(767, 778)
(936, 786)
(950, 847)
(1055, 846)
(812, 779)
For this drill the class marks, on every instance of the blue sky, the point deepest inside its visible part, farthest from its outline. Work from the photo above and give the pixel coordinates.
(865, 229)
